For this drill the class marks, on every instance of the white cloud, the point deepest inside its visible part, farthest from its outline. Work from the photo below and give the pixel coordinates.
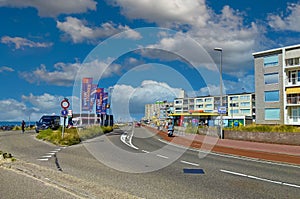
(66, 73)
(78, 31)
(53, 8)
(6, 69)
(21, 43)
(166, 12)
(128, 101)
(288, 22)
(227, 29)
(12, 110)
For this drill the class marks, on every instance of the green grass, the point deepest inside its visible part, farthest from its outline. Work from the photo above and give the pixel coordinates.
(72, 136)
(266, 128)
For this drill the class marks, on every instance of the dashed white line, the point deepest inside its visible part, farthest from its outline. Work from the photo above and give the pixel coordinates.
(51, 153)
(46, 156)
(145, 151)
(43, 159)
(162, 156)
(190, 163)
(231, 156)
(261, 179)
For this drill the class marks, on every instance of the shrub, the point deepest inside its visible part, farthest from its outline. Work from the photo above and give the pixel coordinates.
(72, 135)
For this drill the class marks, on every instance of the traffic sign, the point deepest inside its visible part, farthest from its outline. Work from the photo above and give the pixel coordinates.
(64, 112)
(222, 109)
(65, 103)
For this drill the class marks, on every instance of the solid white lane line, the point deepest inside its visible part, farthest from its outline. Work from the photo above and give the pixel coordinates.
(51, 153)
(190, 163)
(162, 156)
(145, 151)
(261, 179)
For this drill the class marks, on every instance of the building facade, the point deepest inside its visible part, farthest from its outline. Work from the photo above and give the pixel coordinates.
(277, 86)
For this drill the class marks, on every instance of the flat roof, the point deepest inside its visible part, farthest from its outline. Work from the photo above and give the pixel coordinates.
(275, 49)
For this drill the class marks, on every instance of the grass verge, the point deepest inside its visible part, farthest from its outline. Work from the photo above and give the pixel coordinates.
(72, 136)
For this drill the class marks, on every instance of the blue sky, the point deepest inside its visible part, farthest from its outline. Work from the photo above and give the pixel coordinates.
(47, 46)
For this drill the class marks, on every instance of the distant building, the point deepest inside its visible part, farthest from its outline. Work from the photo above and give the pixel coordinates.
(277, 86)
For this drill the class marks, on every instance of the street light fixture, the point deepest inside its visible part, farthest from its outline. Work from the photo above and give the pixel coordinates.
(221, 92)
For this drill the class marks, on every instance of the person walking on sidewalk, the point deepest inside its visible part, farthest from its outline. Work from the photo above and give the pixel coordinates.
(23, 126)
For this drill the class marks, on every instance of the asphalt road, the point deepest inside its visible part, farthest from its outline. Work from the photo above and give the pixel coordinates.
(150, 168)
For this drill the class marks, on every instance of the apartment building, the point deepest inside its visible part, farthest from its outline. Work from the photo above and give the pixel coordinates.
(277, 86)
(158, 110)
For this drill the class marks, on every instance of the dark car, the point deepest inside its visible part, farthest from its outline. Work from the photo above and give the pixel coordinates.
(48, 121)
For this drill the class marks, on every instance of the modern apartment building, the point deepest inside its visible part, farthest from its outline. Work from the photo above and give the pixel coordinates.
(277, 86)
(159, 110)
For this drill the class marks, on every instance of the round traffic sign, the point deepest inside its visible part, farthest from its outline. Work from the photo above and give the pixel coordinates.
(65, 104)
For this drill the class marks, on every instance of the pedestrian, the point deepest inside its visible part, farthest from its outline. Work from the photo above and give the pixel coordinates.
(23, 126)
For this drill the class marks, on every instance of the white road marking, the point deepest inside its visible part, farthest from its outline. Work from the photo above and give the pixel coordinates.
(51, 153)
(46, 156)
(261, 179)
(162, 156)
(190, 163)
(43, 159)
(145, 151)
(123, 139)
(231, 156)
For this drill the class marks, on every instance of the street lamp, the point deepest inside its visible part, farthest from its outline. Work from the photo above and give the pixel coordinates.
(221, 92)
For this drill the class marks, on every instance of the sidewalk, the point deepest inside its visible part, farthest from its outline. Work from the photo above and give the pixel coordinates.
(271, 152)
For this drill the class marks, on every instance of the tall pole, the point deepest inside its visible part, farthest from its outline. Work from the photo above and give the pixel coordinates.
(221, 92)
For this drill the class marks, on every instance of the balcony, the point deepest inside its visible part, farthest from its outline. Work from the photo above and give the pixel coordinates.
(293, 120)
(292, 82)
(293, 100)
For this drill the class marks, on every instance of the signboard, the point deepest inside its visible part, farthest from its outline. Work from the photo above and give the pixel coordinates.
(86, 88)
(99, 100)
(104, 102)
(222, 110)
(65, 104)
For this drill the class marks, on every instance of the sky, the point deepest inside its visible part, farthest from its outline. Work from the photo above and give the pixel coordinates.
(140, 51)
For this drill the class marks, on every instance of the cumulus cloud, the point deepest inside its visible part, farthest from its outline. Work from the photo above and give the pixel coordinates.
(64, 74)
(290, 21)
(11, 110)
(21, 43)
(53, 8)
(167, 13)
(78, 31)
(129, 101)
(210, 29)
(6, 69)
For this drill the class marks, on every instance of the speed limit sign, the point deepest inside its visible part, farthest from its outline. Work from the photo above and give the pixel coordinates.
(65, 103)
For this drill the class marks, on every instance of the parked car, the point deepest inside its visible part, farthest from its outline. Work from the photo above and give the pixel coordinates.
(48, 121)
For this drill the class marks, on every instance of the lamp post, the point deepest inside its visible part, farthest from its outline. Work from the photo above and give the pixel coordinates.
(221, 92)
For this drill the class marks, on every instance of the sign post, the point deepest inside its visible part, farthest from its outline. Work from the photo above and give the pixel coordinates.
(65, 105)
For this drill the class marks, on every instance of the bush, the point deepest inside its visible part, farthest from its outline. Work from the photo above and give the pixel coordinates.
(72, 135)
(265, 128)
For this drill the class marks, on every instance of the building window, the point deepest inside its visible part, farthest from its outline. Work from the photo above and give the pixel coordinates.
(245, 104)
(272, 78)
(245, 97)
(234, 98)
(272, 114)
(292, 61)
(271, 96)
(271, 61)
(245, 111)
(199, 101)
(208, 99)
(208, 106)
